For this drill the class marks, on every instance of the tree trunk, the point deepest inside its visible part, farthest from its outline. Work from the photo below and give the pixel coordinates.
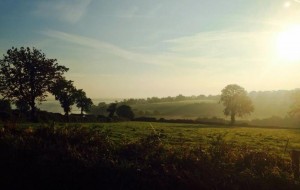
(81, 111)
(32, 93)
(232, 118)
(33, 112)
(67, 116)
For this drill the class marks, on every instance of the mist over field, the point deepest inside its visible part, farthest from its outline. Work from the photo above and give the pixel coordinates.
(266, 103)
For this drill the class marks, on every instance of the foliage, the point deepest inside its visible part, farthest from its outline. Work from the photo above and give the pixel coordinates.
(124, 111)
(179, 98)
(82, 101)
(236, 101)
(26, 75)
(65, 93)
(100, 109)
(5, 105)
(22, 106)
(56, 156)
(112, 108)
(5, 110)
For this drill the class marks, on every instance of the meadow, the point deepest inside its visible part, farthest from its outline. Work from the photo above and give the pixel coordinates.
(144, 155)
(277, 140)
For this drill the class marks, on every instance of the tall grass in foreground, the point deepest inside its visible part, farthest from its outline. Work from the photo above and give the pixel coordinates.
(75, 157)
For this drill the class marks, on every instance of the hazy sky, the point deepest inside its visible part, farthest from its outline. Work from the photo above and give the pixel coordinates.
(144, 48)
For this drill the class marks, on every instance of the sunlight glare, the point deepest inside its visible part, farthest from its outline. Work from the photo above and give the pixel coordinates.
(288, 44)
(287, 4)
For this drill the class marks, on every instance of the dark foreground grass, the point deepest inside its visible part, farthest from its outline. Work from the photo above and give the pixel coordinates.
(78, 157)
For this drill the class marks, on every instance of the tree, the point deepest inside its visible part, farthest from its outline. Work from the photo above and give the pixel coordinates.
(26, 75)
(65, 93)
(236, 101)
(5, 105)
(125, 111)
(112, 109)
(82, 102)
(5, 110)
(100, 109)
(22, 106)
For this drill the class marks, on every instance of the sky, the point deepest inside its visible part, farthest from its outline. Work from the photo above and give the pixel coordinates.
(138, 49)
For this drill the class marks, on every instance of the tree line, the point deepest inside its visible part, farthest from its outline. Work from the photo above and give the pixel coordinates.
(27, 77)
(178, 98)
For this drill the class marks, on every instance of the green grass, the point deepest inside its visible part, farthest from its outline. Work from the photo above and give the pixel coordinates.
(269, 139)
(126, 155)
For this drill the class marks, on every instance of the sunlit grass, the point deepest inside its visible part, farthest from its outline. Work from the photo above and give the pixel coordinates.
(95, 153)
(270, 139)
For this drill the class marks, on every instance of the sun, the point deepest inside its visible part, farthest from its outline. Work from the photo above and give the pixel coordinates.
(288, 44)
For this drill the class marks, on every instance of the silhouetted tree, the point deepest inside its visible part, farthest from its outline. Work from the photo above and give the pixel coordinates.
(82, 102)
(22, 106)
(5, 105)
(65, 93)
(125, 111)
(5, 110)
(112, 109)
(26, 75)
(100, 109)
(236, 101)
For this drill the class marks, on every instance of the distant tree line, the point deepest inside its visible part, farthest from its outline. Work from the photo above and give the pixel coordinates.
(180, 97)
(112, 111)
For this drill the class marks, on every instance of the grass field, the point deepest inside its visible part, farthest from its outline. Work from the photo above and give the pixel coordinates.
(271, 139)
(143, 155)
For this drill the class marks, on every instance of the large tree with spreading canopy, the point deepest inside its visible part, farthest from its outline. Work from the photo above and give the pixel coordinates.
(236, 102)
(26, 75)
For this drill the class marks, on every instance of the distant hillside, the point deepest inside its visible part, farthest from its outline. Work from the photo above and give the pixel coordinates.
(266, 103)
(271, 103)
(54, 106)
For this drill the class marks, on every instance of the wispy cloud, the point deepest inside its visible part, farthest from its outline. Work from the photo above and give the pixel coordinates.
(224, 43)
(129, 13)
(103, 47)
(66, 10)
(203, 51)
(137, 12)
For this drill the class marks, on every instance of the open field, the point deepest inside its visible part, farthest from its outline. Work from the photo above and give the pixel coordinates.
(195, 134)
(141, 155)
(270, 139)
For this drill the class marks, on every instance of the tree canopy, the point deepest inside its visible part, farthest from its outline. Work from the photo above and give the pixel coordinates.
(236, 101)
(26, 75)
(112, 108)
(125, 111)
(82, 101)
(5, 105)
(64, 92)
